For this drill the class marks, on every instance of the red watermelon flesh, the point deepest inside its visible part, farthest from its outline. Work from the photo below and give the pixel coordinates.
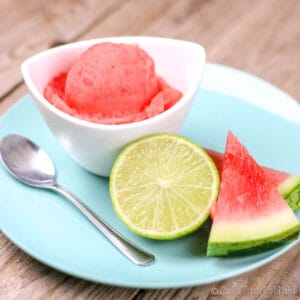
(250, 213)
(287, 184)
(244, 183)
(277, 177)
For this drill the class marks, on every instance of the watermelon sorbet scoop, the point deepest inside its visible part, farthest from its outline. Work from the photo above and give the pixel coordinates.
(112, 84)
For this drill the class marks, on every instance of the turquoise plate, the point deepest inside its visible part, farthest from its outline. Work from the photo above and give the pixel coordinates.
(51, 230)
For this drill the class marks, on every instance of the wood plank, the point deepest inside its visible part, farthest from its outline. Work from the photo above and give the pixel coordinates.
(23, 277)
(33, 26)
(130, 19)
(70, 19)
(276, 57)
(18, 38)
(199, 21)
(237, 35)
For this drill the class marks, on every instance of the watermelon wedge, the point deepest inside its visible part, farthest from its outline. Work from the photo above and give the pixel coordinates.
(287, 184)
(250, 214)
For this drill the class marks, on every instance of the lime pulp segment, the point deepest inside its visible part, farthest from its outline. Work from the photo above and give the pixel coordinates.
(162, 186)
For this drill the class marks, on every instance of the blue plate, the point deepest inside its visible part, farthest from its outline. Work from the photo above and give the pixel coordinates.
(50, 229)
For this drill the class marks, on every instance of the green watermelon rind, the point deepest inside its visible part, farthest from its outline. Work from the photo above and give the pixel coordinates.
(290, 191)
(253, 246)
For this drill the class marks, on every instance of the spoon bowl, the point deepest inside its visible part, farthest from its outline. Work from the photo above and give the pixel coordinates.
(26, 161)
(31, 165)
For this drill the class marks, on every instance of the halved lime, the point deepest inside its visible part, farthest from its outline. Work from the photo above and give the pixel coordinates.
(163, 185)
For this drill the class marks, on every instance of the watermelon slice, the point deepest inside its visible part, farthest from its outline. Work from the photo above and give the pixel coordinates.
(250, 214)
(287, 184)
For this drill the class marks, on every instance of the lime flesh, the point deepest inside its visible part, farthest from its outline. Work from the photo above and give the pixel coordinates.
(162, 186)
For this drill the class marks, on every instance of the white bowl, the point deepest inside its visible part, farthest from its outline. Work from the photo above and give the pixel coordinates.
(96, 146)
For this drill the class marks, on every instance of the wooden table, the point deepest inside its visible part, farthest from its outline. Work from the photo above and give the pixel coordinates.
(259, 36)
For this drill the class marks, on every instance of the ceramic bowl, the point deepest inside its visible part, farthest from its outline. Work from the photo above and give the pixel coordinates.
(95, 146)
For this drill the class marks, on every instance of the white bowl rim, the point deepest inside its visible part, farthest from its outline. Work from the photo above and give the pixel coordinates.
(90, 42)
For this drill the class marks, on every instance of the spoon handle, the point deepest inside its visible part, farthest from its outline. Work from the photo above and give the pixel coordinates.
(131, 251)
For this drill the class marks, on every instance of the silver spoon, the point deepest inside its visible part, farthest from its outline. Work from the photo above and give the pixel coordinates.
(30, 164)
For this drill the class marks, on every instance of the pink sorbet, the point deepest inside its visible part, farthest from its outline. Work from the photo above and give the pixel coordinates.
(112, 84)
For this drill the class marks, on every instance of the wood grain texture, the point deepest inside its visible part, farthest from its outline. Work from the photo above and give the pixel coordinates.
(28, 27)
(261, 37)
